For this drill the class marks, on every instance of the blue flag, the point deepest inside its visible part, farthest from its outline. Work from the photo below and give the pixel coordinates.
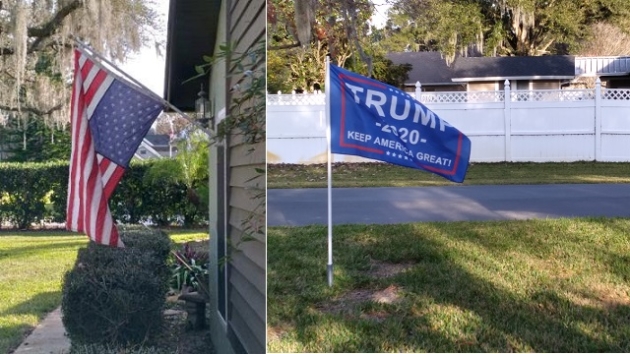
(371, 119)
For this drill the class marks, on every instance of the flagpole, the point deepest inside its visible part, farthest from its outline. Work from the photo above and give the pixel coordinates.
(328, 143)
(146, 90)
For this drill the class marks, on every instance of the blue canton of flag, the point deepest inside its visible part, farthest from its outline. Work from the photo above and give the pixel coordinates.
(371, 119)
(121, 120)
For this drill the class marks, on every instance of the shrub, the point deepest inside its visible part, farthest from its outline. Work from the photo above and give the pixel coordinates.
(109, 349)
(117, 296)
(36, 192)
(24, 189)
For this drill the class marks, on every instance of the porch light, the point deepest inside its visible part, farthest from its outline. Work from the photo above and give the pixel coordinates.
(203, 109)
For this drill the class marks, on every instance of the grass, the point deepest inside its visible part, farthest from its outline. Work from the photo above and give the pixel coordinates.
(387, 175)
(33, 264)
(183, 236)
(538, 285)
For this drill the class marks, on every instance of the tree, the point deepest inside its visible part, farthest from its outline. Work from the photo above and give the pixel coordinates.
(36, 51)
(302, 32)
(505, 27)
(44, 143)
(605, 39)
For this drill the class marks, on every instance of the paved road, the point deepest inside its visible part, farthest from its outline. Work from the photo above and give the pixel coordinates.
(397, 205)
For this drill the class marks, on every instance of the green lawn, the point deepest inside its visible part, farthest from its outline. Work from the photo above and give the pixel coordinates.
(32, 266)
(539, 285)
(387, 175)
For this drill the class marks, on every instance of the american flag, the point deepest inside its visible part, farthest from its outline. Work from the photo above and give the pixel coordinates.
(109, 118)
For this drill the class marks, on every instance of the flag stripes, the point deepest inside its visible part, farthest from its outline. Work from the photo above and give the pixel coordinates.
(87, 196)
(109, 118)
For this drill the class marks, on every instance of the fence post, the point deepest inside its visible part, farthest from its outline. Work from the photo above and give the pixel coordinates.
(418, 91)
(598, 120)
(507, 121)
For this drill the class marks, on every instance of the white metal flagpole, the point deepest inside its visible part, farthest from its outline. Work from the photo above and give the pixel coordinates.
(328, 140)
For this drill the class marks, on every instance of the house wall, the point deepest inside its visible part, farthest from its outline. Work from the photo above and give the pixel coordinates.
(246, 24)
(217, 200)
(549, 125)
(546, 85)
(482, 86)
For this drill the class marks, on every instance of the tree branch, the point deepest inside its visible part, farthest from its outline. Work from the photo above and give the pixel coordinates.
(42, 33)
(284, 46)
(33, 110)
(49, 28)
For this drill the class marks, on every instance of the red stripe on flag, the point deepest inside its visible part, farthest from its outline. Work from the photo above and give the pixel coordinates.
(94, 86)
(110, 185)
(87, 66)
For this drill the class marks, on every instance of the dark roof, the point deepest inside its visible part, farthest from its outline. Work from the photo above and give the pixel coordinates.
(427, 67)
(192, 32)
(157, 140)
(548, 66)
(431, 68)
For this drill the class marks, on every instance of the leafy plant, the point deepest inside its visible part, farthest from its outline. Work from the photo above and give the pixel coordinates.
(189, 269)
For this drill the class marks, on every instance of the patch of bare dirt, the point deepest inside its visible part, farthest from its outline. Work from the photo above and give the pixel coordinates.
(348, 302)
(380, 269)
(600, 296)
(277, 332)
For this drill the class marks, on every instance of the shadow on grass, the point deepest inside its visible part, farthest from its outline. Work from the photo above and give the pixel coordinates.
(473, 314)
(38, 247)
(37, 233)
(40, 305)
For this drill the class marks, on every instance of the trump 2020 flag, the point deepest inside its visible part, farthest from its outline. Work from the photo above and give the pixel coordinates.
(109, 119)
(371, 119)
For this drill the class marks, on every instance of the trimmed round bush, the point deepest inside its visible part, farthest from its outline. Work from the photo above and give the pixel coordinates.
(117, 296)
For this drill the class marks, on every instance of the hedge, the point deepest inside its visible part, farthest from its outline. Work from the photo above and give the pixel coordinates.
(37, 192)
(116, 296)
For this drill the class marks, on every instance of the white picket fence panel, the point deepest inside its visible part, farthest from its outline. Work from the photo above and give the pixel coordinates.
(533, 125)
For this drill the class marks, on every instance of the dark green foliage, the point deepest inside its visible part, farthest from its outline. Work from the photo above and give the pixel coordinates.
(149, 239)
(117, 296)
(386, 71)
(35, 192)
(25, 188)
(43, 143)
(109, 349)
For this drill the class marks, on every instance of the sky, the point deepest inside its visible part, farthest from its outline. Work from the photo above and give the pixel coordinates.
(380, 13)
(147, 67)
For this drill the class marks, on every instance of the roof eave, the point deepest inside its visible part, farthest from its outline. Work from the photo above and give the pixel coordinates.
(499, 78)
(433, 83)
(192, 30)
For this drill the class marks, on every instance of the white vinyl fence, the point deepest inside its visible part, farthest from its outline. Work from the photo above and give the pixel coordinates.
(532, 125)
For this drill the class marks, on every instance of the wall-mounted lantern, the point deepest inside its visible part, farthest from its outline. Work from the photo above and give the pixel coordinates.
(203, 109)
